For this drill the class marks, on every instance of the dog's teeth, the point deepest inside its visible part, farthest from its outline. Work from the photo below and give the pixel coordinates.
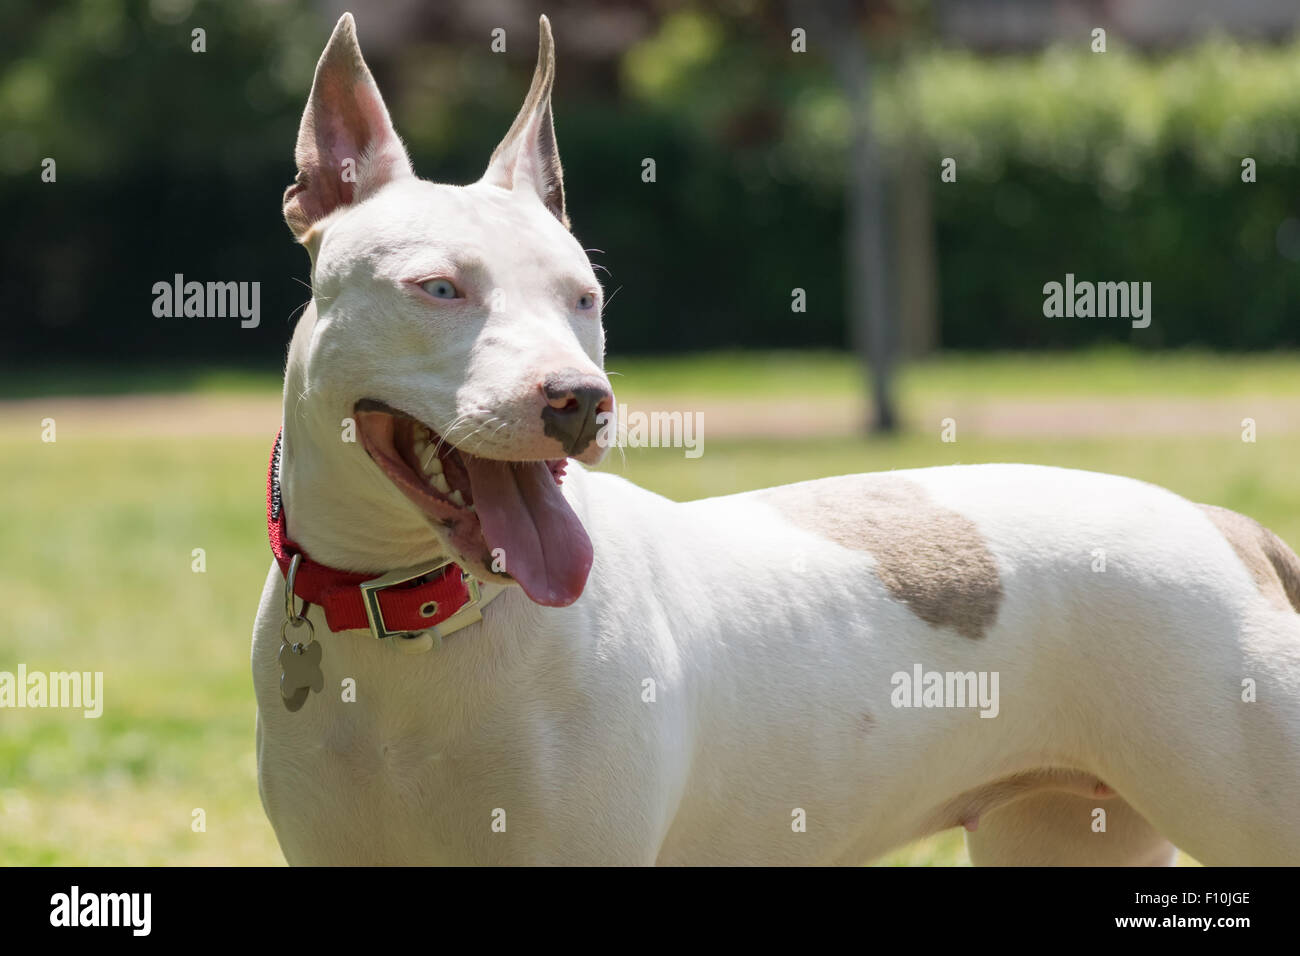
(419, 445)
(457, 499)
(440, 482)
(469, 508)
(430, 461)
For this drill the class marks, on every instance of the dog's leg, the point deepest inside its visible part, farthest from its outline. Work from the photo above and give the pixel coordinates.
(1054, 828)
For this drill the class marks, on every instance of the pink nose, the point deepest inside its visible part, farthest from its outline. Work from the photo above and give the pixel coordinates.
(574, 400)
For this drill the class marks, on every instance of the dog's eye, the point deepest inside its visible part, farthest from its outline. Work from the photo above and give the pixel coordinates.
(441, 289)
(586, 301)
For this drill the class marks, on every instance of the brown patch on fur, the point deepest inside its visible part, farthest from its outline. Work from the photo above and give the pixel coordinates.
(930, 558)
(1273, 565)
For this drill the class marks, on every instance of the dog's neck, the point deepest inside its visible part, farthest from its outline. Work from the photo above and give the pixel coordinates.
(337, 510)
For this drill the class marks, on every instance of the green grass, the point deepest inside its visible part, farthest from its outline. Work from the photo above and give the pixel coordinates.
(95, 574)
(96, 537)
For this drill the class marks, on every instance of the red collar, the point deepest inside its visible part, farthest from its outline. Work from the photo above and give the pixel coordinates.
(400, 603)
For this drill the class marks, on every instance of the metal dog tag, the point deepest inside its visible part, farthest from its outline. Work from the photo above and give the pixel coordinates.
(300, 673)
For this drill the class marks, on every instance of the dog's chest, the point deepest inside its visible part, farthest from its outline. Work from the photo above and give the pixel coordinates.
(378, 765)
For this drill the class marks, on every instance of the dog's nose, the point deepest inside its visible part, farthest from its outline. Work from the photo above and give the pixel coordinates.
(573, 401)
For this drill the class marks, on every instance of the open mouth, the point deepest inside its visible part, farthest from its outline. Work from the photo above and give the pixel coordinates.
(504, 518)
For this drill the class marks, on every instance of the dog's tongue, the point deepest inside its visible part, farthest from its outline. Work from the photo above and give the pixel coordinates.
(523, 512)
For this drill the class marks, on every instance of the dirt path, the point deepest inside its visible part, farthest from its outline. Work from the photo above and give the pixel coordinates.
(191, 415)
(160, 415)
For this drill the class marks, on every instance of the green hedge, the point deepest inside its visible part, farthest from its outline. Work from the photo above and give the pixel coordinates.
(1111, 166)
(1115, 167)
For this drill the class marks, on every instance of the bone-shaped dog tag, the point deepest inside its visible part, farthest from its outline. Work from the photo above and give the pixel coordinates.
(300, 673)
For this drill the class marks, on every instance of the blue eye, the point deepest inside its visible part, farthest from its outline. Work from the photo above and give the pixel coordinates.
(441, 289)
(586, 301)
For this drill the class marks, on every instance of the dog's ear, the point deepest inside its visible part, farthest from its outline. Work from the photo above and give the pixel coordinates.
(346, 147)
(528, 158)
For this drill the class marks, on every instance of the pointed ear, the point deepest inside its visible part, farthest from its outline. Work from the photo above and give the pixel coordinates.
(528, 158)
(346, 147)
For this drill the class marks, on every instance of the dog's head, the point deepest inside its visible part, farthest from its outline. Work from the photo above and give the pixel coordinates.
(459, 326)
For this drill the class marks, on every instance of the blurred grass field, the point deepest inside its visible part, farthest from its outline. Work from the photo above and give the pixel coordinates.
(97, 532)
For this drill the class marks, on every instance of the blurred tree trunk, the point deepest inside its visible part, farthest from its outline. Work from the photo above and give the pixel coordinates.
(917, 274)
(871, 321)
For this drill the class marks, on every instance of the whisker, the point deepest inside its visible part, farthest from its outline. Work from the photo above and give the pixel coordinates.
(445, 431)
(447, 437)
(298, 310)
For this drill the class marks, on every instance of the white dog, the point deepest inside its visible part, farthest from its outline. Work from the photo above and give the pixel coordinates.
(1076, 667)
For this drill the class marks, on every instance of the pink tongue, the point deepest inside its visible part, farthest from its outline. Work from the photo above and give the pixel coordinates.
(523, 512)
